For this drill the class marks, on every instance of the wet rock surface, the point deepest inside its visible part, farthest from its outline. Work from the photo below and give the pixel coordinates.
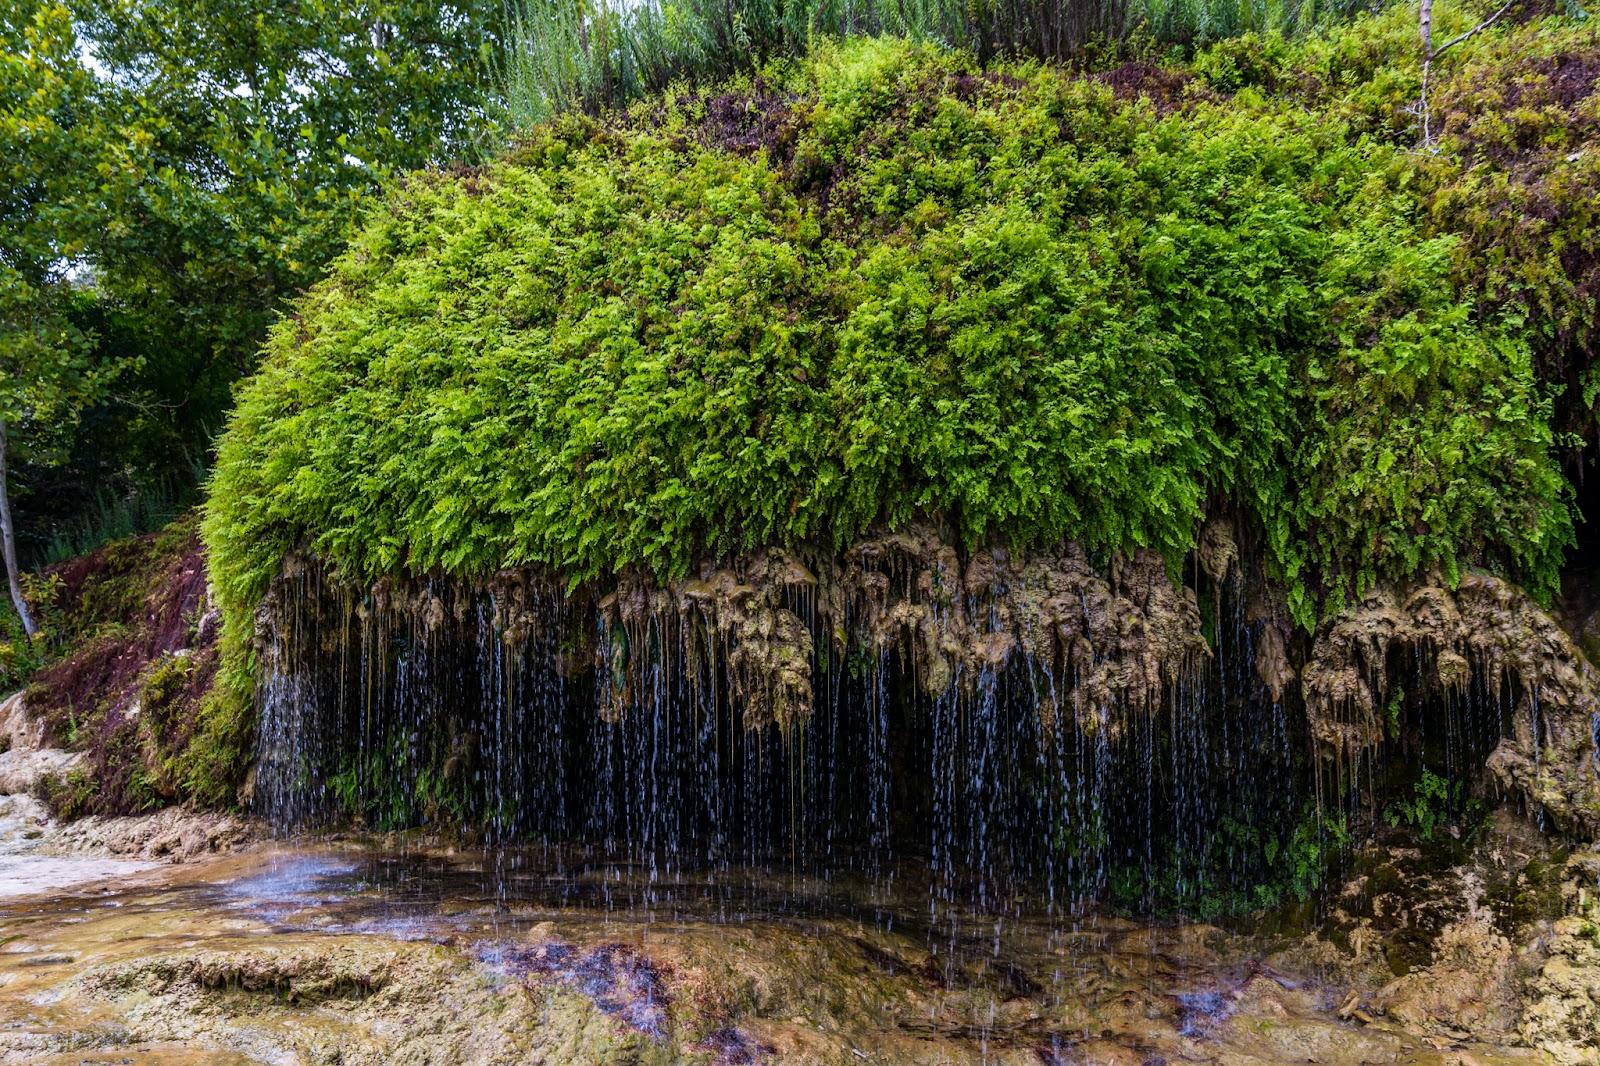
(1462, 943)
(170, 835)
(1123, 629)
(1484, 627)
(341, 954)
(38, 852)
(25, 753)
(1123, 632)
(1479, 948)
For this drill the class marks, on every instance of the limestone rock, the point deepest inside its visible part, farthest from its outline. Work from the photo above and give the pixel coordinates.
(1485, 625)
(25, 759)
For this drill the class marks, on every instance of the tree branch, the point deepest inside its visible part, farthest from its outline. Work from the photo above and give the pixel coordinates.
(1479, 28)
(1430, 53)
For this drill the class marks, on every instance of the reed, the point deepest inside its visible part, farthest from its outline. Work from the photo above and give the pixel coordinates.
(588, 55)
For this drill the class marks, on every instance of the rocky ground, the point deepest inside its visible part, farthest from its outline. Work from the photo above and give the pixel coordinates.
(27, 832)
(92, 983)
(341, 953)
(1499, 946)
(180, 937)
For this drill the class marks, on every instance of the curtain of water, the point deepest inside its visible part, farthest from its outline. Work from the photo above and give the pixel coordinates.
(519, 714)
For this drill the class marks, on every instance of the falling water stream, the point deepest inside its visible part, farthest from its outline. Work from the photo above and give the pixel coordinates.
(1010, 789)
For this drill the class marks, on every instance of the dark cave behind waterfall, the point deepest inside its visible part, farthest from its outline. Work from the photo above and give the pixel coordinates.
(1001, 765)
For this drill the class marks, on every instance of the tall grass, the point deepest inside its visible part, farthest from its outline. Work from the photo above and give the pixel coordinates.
(587, 55)
(115, 515)
(1192, 22)
(566, 55)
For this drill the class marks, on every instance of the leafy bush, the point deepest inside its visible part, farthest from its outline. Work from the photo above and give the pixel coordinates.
(1242, 868)
(19, 656)
(885, 283)
(1434, 803)
(68, 796)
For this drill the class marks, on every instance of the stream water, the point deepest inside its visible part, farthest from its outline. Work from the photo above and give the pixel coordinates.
(29, 866)
(351, 952)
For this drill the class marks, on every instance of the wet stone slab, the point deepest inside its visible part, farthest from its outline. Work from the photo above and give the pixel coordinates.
(354, 955)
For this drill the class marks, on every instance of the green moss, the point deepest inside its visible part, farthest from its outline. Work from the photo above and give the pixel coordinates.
(163, 681)
(884, 284)
(218, 754)
(1533, 894)
(66, 796)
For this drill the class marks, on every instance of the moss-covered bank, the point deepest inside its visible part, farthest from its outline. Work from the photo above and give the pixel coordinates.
(131, 679)
(1026, 308)
(1041, 306)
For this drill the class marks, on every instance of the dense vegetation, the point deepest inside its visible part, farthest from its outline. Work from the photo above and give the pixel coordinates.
(132, 685)
(592, 56)
(1171, 272)
(176, 172)
(888, 281)
(172, 173)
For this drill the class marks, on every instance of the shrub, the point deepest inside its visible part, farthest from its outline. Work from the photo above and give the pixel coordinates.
(886, 282)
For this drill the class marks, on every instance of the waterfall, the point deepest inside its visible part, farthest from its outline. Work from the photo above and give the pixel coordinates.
(1018, 734)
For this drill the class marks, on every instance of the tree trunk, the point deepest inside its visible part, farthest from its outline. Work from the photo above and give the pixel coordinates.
(1425, 29)
(8, 543)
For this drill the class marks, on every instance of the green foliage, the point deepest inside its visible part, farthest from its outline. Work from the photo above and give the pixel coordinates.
(66, 796)
(882, 284)
(1515, 178)
(1243, 868)
(218, 755)
(1391, 713)
(118, 516)
(367, 788)
(1434, 802)
(163, 199)
(19, 656)
(253, 130)
(1295, 863)
(1317, 839)
(50, 370)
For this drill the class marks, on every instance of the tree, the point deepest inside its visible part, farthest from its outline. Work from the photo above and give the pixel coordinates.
(176, 170)
(48, 374)
(49, 370)
(257, 128)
